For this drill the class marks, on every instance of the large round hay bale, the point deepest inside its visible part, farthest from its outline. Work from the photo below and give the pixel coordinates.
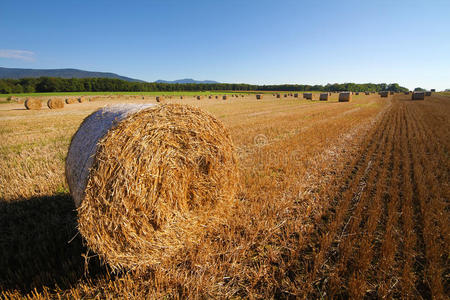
(307, 96)
(33, 104)
(146, 179)
(224, 97)
(159, 98)
(384, 94)
(55, 103)
(323, 97)
(345, 96)
(259, 96)
(71, 100)
(82, 99)
(418, 96)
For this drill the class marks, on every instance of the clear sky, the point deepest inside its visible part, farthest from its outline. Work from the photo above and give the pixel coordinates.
(260, 42)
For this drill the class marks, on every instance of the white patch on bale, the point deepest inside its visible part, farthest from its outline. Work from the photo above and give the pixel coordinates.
(83, 146)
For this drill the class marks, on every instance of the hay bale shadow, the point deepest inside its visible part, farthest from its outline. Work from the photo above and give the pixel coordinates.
(40, 245)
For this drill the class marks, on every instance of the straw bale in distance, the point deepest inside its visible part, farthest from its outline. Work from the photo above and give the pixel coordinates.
(307, 96)
(418, 96)
(159, 98)
(259, 96)
(367, 93)
(55, 103)
(345, 96)
(323, 97)
(224, 97)
(33, 104)
(278, 95)
(384, 94)
(295, 95)
(81, 99)
(147, 178)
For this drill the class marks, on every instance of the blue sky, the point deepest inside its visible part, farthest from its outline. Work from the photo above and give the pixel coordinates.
(261, 42)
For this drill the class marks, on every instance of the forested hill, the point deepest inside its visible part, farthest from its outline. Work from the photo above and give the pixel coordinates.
(186, 80)
(15, 73)
(52, 84)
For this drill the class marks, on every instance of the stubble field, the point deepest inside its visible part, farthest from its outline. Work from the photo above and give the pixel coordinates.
(336, 200)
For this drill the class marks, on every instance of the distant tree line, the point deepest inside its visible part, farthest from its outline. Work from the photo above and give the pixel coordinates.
(54, 84)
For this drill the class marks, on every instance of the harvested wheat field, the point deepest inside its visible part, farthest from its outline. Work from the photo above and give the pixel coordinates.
(334, 200)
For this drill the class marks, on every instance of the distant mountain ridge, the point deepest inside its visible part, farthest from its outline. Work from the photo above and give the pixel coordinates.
(186, 80)
(16, 73)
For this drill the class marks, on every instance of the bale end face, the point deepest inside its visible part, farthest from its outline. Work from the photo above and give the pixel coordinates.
(259, 97)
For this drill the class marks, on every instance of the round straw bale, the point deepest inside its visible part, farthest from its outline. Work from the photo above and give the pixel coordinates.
(384, 94)
(81, 99)
(217, 97)
(224, 97)
(71, 100)
(159, 98)
(32, 103)
(418, 96)
(323, 97)
(278, 95)
(55, 103)
(146, 179)
(345, 96)
(259, 96)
